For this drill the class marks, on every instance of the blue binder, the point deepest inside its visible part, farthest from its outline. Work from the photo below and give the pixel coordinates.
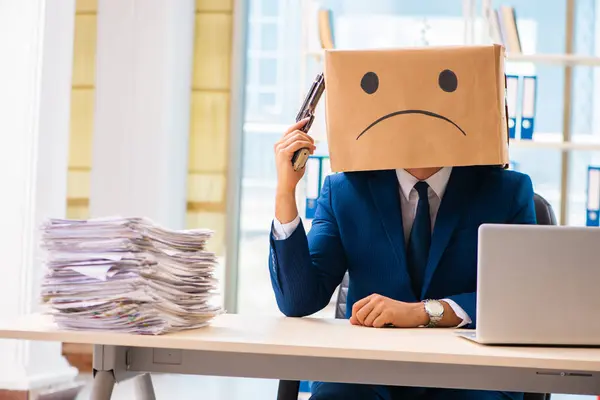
(313, 185)
(512, 96)
(304, 387)
(528, 107)
(325, 170)
(593, 197)
(317, 169)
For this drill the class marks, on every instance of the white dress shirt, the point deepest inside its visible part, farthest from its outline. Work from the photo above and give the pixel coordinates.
(409, 198)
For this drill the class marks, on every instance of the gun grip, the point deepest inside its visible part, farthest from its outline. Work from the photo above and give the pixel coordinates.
(300, 158)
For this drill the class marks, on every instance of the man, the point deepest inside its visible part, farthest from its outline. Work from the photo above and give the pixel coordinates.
(407, 238)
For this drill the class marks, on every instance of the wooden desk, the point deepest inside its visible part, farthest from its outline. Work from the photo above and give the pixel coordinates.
(326, 350)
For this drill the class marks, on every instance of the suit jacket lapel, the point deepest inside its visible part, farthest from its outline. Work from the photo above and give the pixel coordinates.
(385, 192)
(454, 202)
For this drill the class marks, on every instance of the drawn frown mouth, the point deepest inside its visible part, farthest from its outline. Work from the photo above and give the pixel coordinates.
(422, 112)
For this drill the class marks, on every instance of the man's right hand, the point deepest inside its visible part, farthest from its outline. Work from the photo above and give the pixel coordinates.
(287, 178)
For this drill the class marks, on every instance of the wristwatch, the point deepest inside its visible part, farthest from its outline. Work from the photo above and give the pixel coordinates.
(435, 311)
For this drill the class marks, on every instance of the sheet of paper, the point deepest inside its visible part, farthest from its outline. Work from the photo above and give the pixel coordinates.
(127, 275)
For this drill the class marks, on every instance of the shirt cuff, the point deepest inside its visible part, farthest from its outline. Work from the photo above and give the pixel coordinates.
(460, 313)
(284, 231)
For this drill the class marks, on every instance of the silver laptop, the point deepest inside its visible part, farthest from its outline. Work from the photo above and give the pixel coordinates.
(538, 285)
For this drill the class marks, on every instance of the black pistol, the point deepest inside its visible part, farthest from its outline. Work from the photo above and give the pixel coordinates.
(308, 110)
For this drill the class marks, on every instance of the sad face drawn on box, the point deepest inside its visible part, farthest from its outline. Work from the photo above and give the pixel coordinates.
(447, 81)
(414, 108)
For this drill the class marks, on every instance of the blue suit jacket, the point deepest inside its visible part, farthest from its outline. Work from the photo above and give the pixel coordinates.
(358, 228)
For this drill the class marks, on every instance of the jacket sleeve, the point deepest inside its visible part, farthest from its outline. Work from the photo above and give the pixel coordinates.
(522, 211)
(305, 270)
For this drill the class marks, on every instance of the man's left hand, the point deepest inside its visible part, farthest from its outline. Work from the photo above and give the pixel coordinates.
(379, 311)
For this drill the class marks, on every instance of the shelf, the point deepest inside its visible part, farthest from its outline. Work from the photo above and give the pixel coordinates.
(532, 144)
(316, 54)
(558, 59)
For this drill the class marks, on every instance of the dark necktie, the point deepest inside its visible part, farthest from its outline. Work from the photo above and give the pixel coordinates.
(420, 240)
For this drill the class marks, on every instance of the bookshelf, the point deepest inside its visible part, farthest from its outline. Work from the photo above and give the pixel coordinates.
(562, 142)
(572, 60)
(554, 145)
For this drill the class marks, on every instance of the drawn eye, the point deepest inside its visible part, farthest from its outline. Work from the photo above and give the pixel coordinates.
(369, 82)
(448, 81)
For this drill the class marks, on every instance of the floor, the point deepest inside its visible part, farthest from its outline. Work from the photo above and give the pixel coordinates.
(184, 387)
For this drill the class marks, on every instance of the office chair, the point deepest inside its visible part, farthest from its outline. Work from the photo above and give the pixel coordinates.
(288, 390)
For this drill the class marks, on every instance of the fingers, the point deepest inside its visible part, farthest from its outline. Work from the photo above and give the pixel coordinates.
(292, 148)
(374, 314)
(364, 311)
(293, 137)
(371, 311)
(297, 126)
(381, 320)
(359, 304)
(297, 141)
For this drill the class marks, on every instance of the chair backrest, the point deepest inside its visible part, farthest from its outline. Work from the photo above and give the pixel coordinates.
(543, 211)
(544, 215)
(340, 307)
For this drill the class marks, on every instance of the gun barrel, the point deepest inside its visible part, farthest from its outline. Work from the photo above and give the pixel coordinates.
(316, 96)
(312, 98)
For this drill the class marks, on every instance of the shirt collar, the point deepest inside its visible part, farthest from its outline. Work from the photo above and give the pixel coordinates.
(437, 182)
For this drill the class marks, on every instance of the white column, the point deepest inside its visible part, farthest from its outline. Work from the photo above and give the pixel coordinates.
(143, 89)
(36, 46)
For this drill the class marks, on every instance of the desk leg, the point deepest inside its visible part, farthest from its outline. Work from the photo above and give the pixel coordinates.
(104, 382)
(144, 390)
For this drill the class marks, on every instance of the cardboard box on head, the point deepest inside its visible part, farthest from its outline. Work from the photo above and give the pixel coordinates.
(415, 108)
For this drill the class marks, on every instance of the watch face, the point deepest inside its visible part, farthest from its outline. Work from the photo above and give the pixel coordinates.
(434, 308)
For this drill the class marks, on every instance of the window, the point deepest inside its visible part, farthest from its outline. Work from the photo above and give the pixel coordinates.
(279, 75)
(283, 60)
(271, 96)
(269, 36)
(267, 72)
(281, 66)
(542, 159)
(270, 7)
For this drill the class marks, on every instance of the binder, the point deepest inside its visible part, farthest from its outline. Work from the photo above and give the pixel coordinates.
(317, 169)
(493, 23)
(512, 95)
(325, 25)
(501, 30)
(304, 387)
(528, 107)
(508, 23)
(313, 185)
(325, 170)
(593, 196)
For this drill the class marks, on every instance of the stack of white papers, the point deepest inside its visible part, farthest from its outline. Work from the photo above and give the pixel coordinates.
(127, 275)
